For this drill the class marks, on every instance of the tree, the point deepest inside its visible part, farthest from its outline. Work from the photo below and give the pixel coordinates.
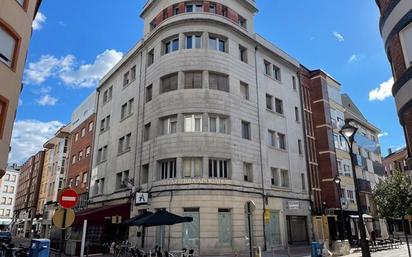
(393, 198)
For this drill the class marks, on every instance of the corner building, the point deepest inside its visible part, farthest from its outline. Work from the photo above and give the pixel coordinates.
(396, 29)
(204, 115)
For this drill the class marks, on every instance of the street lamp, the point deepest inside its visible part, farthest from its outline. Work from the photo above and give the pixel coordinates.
(348, 132)
(337, 181)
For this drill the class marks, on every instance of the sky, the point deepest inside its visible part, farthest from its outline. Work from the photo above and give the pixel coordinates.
(74, 43)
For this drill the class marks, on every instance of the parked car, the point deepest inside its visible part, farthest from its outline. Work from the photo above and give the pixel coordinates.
(5, 236)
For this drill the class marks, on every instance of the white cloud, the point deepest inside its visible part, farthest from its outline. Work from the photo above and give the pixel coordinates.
(383, 134)
(353, 58)
(47, 66)
(47, 100)
(39, 21)
(338, 36)
(29, 136)
(382, 92)
(87, 75)
(20, 102)
(66, 69)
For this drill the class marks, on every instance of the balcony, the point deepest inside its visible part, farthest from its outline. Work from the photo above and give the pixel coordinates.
(361, 161)
(378, 169)
(367, 144)
(364, 186)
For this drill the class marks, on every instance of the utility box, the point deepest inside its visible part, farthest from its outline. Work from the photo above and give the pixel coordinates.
(40, 248)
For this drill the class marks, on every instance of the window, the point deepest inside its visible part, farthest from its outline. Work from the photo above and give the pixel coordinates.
(406, 42)
(217, 44)
(105, 124)
(282, 141)
(167, 169)
(346, 170)
(194, 8)
(269, 102)
(88, 151)
(168, 83)
(149, 90)
(284, 178)
(7, 177)
(133, 73)
(302, 177)
(247, 172)
(127, 109)
(150, 57)
(224, 11)
(3, 113)
(74, 157)
(77, 182)
(193, 123)
(244, 90)
(193, 41)
(218, 168)
(107, 94)
(1, 212)
(146, 132)
(272, 138)
(121, 179)
(175, 9)
(126, 79)
(218, 81)
(350, 196)
(13, 178)
(242, 22)
(275, 177)
(8, 44)
(280, 177)
(169, 125)
(76, 137)
(171, 45)
(9, 201)
(212, 8)
(3, 200)
(276, 72)
(243, 53)
(192, 167)
(225, 227)
(193, 79)
(21, 2)
(145, 174)
(91, 124)
(189, 8)
(297, 116)
(267, 68)
(83, 132)
(245, 130)
(80, 155)
(300, 146)
(7, 212)
(102, 154)
(279, 105)
(11, 190)
(84, 180)
(218, 124)
(294, 83)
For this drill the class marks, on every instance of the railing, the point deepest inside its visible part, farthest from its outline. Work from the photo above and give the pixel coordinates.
(367, 144)
(364, 185)
(378, 169)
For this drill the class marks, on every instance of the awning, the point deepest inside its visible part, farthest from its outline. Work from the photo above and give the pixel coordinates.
(365, 216)
(6, 221)
(101, 214)
(160, 218)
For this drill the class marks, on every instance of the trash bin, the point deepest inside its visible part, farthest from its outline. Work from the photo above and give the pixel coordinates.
(40, 248)
(314, 249)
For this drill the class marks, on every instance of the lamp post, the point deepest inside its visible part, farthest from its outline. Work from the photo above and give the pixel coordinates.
(348, 132)
(337, 181)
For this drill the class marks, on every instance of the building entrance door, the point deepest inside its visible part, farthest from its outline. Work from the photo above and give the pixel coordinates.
(273, 238)
(191, 230)
(297, 229)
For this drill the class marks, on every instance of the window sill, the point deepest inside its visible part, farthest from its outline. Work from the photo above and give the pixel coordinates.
(272, 78)
(128, 84)
(126, 117)
(126, 151)
(278, 149)
(281, 188)
(101, 162)
(277, 113)
(103, 131)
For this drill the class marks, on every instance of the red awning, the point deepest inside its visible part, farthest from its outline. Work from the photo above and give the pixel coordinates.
(101, 214)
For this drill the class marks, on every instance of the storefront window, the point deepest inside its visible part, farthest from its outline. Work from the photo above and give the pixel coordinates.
(191, 230)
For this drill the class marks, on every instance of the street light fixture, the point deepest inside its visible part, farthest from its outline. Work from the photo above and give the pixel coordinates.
(337, 181)
(348, 132)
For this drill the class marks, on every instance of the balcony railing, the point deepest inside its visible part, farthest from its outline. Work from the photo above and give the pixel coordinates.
(361, 162)
(364, 186)
(367, 144)
(378, 169)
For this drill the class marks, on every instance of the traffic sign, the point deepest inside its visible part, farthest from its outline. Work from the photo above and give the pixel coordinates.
(63, 218)
(68, 198)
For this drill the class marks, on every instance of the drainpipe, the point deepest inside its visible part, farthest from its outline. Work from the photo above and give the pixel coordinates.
(260, 153)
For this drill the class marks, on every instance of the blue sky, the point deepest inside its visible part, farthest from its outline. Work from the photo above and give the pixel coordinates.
(75, 42)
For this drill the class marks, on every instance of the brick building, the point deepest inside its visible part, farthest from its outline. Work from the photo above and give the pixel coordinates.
(27, 194)
(81, 145)
(396, 29)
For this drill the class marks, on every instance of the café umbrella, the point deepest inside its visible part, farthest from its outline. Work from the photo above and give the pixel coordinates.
(159, 218)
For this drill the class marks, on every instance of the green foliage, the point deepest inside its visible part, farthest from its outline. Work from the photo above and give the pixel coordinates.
(393, 196)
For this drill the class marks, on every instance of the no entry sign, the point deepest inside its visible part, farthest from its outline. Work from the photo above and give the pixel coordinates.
(68, 198)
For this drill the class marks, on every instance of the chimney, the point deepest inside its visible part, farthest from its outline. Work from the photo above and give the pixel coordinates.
(389, 150)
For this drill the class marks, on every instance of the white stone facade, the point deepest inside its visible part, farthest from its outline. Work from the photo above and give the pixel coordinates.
(8, 185)
(201, 151)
